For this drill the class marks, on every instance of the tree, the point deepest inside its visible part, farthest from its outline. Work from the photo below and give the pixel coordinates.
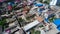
(3, 23)
(33, 31)
(52, 18)
(47, 1)
(41, 0)
(21, 20)
(28, 18)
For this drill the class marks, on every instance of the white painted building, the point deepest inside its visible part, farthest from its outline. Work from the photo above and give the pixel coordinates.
(55, 2)
(31, 25)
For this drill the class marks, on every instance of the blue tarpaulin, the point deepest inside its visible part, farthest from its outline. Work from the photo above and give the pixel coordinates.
(51, 16)
(39, 5)
(11, 3)
(46, 19)
(57, 23)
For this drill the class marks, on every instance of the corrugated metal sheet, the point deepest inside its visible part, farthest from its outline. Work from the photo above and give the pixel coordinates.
(30, 25)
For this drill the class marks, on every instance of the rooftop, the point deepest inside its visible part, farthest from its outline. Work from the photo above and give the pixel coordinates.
(39, 18)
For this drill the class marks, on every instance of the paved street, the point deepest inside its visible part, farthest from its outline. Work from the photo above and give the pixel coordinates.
(53, 31)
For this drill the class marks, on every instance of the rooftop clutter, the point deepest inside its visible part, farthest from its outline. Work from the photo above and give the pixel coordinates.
(27, 12)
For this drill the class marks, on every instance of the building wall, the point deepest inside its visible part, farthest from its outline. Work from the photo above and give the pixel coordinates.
(58, 3)
(53, 2)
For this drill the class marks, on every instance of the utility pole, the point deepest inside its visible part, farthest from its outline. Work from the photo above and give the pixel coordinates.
(17, 18)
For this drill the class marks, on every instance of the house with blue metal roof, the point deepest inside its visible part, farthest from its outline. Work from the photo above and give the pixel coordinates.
(57, 23)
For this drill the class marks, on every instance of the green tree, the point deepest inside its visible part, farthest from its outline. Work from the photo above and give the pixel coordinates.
(41, 1)
(28, 18)
(21, 20)
(34, 32)
(41, 26)
(3, 23)
(37, 32)
(52, 18)
(47, 2)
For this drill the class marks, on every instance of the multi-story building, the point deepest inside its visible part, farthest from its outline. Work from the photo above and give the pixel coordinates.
(55, 2)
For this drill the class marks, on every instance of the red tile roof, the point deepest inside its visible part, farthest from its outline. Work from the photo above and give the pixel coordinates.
(39, 18)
